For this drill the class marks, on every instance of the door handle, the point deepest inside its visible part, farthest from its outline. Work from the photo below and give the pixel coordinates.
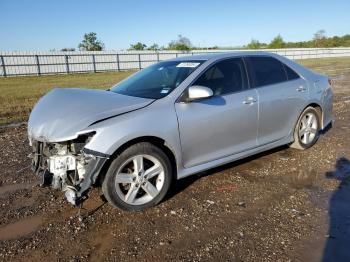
(249, 100)
(301, 89)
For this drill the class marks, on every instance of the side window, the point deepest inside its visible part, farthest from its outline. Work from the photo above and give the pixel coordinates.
(290, 73)
(266, 70)
(225, 77)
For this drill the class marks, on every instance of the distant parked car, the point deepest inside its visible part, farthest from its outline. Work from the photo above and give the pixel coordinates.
(174, 119)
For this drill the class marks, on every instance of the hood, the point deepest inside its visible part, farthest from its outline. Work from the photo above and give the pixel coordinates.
(63, 112)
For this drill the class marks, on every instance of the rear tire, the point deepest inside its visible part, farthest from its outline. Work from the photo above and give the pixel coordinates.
(138, 178)
(306, 131)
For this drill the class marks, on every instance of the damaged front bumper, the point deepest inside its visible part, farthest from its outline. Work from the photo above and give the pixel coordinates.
(68, 166)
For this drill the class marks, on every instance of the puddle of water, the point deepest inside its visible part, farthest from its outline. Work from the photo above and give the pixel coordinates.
(20, 228)
(320, 199)
(4, 189)
(13, 125)
(303, 179)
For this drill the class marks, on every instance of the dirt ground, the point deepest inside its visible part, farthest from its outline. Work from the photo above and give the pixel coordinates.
(282, 205)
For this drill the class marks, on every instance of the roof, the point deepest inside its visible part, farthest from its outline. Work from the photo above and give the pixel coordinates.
(218, 55)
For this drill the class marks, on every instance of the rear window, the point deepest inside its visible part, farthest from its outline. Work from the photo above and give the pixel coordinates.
(291, 75)
(266, 70)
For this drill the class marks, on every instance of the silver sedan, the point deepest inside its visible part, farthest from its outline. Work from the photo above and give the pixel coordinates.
(174, 119)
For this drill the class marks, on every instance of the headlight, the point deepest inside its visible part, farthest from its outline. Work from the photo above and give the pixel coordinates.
(79, 143)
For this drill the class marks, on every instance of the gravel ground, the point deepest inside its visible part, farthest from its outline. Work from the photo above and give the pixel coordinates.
(282, 205)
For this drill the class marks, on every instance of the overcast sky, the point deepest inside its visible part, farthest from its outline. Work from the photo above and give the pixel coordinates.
(55, 24)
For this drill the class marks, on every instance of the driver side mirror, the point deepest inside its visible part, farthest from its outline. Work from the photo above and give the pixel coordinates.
(199, 92)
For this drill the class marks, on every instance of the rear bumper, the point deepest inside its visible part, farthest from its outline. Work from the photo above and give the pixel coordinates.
(327, 116)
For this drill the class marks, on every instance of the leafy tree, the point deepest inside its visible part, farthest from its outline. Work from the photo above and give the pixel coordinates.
(213, 47)
(277, 42)
(319, 40)
(254, 44)
(66, 49)
(181, 43)
(138, 46)
(154, 47)
(91, 43)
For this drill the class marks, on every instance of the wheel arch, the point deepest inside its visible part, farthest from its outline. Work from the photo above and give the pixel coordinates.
(159, 142)
(319, 110)
(315, 105)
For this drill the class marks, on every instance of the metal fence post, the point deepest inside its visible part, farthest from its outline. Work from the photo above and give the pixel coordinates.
(140, 61)
(67, 63)
(158, 56)
(176, 54)
(118, 65)
(3, 66)
(94, 63)
(37, 65)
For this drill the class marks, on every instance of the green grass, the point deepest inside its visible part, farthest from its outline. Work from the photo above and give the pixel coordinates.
(19, 94)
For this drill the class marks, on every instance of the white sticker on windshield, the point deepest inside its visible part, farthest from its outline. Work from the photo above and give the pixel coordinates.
(165, 91)
(188, 64)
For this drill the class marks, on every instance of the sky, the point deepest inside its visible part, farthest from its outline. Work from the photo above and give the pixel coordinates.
(27, 25)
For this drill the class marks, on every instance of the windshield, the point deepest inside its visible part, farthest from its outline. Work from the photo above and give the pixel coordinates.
(158, 80)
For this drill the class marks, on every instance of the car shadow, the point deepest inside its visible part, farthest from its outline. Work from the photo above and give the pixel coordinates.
(338, 243)
(326, 129)
(182, 184)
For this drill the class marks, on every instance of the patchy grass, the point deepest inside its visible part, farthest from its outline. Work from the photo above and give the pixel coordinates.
(330, 66)
(326, 62)
(19, 94)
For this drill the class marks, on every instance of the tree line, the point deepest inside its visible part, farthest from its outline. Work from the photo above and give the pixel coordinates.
(90, 42)
(319, 40)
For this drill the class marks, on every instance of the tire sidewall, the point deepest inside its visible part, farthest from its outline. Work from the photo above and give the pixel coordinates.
(296, 132)
(108, 186)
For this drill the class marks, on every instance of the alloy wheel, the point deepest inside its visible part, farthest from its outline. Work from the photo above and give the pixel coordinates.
(139, 179)
(308, 128)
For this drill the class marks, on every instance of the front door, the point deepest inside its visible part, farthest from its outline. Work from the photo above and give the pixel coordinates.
(224, 124)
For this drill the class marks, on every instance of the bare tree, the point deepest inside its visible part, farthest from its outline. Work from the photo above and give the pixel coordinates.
(319, 38)
(181, 43)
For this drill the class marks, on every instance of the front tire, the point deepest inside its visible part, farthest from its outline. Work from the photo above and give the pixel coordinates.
(138, 178)
(306, 131)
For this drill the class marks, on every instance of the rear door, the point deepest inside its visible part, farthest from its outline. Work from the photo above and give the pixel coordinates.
(224, 124)
(282, 94)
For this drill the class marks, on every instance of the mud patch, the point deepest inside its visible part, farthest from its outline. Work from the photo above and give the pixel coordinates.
(20, 228)
(6, 189)
(102, 242)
